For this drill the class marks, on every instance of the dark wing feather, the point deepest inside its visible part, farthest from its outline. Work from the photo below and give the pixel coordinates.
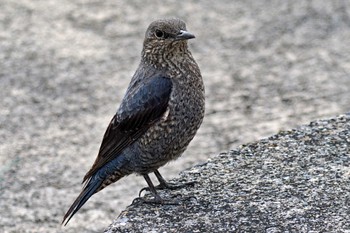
(141, 108)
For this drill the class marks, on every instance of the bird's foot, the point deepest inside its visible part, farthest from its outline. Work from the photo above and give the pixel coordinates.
(168, 185)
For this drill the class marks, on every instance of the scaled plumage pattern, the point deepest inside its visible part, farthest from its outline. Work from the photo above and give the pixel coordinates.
(159, 115)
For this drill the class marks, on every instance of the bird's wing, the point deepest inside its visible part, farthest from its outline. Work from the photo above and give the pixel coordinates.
(141, 108)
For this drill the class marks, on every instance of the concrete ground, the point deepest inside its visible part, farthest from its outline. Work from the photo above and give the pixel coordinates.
(65, 65)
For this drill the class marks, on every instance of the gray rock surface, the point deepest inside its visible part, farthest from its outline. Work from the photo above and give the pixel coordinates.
(65, 65)
(294, 181)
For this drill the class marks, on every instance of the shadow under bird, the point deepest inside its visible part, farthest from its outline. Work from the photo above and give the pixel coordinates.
(159, 115)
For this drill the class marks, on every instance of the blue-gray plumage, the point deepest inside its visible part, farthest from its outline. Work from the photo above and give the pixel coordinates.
(159, 115)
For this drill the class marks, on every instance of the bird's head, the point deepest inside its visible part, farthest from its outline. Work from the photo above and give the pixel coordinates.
(166, 36)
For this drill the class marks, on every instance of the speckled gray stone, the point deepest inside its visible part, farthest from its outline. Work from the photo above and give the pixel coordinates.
(294, 181)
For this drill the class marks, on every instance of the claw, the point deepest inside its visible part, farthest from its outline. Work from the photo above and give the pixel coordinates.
(163, 184)
(143, 189)
(168, 185)
(137, 200)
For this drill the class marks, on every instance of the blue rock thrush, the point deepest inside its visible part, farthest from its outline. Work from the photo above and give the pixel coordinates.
(159, 115)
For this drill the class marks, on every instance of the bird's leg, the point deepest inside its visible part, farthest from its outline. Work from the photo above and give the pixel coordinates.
(163, 184)
(157, 199)
(151, 187)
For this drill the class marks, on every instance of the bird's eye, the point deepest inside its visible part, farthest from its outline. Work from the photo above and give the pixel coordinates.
(159, 34)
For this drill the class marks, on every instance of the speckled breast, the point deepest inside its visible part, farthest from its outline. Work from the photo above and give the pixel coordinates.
(169, 138)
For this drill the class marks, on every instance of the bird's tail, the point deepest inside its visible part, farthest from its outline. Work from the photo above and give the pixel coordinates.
(107, 175)
(90, 188)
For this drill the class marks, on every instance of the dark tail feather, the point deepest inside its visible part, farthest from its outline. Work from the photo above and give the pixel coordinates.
(88, 191)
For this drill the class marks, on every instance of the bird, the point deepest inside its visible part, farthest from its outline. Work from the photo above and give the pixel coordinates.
(159, 115)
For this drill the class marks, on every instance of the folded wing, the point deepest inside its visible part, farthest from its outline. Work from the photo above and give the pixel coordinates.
(141, 108)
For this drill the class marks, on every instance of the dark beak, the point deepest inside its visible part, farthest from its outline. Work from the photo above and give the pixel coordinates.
(184, 35)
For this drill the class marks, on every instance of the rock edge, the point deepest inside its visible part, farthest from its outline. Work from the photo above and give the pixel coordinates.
(296, 180)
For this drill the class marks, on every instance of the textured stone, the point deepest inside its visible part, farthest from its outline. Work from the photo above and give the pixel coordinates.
(294, 181)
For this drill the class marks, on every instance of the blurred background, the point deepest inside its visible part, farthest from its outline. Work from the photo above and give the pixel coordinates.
(65, 65)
